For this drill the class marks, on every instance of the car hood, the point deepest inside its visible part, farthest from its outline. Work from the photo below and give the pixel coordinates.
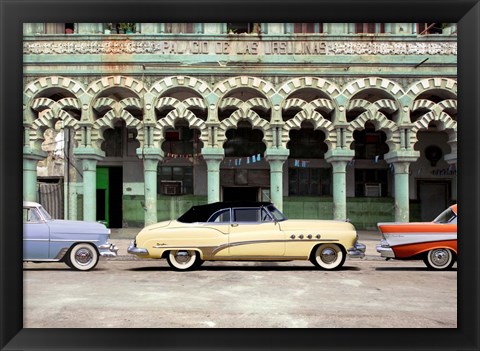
(77, 227)
(315, 224)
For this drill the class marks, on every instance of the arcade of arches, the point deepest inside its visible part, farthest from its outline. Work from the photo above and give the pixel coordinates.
(312, 147)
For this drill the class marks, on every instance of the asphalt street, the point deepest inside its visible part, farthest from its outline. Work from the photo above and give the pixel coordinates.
(127, 292)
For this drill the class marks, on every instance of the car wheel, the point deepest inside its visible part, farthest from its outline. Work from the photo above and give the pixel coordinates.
(183, 260)
(83, 257)
(328, 256)
(439, 259)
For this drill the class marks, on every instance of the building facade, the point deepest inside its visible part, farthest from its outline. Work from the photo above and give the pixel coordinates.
(344, 120)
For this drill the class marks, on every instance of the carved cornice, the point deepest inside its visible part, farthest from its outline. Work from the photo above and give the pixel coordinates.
(252, 47)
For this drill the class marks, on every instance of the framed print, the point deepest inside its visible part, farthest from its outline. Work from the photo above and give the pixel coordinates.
(313, 68)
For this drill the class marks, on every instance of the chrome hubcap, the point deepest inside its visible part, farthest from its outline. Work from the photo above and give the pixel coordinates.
(182, 257)
(328, 255)
(83, 256)
(440, 257)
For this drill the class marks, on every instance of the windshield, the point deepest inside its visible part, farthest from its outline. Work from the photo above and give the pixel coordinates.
(44, 213)
(447, 216)
(279, 216)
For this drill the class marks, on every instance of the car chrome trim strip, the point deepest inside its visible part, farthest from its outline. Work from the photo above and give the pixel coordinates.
(73, 240)
(240, 243)
(40, 260)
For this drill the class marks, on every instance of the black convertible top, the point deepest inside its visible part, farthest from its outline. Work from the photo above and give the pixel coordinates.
(202, 213)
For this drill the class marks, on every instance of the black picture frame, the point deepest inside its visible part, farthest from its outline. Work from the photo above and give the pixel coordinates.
(13, 13)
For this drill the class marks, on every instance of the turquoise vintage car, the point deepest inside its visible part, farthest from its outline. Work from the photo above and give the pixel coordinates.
(77, 243)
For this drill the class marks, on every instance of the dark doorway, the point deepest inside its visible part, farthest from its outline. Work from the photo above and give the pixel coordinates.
(434, 198)
(116, 197)
(240, 194)
(109, 196)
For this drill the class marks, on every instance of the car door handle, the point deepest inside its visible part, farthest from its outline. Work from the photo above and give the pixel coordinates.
(234, 224)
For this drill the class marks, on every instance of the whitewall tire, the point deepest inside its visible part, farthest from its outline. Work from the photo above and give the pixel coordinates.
(439, 259)
(83, 257)
(328, 256)
(183, 260)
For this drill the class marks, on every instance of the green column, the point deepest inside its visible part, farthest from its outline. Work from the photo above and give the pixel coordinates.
(213, 157)
(150, 157)
(30, 159)
(339, 189)
(276, 158)
(339, 159)
(402, 198)
(401, 161)
(89, 157)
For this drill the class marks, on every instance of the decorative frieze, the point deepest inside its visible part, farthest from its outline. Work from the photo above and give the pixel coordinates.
(240, 48)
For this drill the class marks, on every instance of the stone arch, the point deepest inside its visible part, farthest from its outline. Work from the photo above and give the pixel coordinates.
(34, 101)
(169, 122)
(191, 83)
(436, 108)
(446, 124)
(263, 87)
(51, 110)
(167, 101)
(97, 87)
(318, 121)
(323, 85)
(424, 85)
(364, 105)
(157, 97)
(386, 85)
(107, 122)
(245, 106)
(33, 89)
(295, 102)
(423, 104)
(381, 123)
(251, 116)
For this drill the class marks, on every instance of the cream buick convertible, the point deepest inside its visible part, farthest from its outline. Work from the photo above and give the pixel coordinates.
(255, 231)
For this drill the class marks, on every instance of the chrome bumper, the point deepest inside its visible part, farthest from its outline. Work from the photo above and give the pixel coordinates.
(385, 250)
(108, 250)
(134, 250)
(358, 251)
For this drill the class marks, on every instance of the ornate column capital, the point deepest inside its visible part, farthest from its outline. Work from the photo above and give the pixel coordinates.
(276, 154)
(89, 153)
(33, 154)
(150, 153)
(402, 156)
(339, 155)
(213, 153)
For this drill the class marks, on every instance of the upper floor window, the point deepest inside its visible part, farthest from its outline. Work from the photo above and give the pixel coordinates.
(178, 28)
(429, 28)
(59, 28)
(239, 28)
(369, 28)
(308, 28)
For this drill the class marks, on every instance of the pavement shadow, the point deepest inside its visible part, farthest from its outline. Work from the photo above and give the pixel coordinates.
(412, 269)
(243, 268)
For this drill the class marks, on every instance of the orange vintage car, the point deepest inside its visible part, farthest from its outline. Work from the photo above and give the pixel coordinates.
(433, 242)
